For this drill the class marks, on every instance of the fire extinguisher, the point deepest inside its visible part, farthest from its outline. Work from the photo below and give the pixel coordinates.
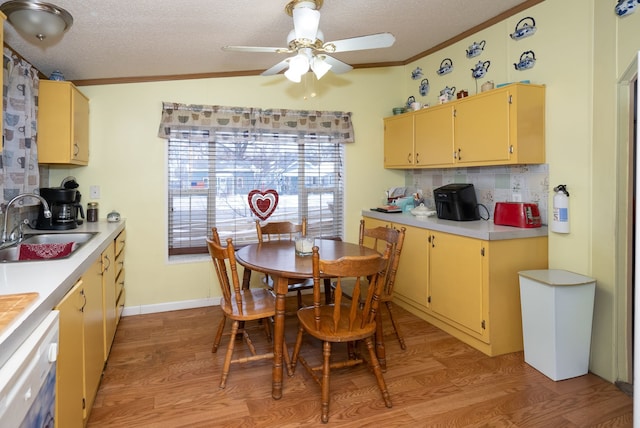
(560, 223)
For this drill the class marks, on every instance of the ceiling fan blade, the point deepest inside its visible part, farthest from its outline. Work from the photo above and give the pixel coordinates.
(305, 23)
(276, 68)
(254, 49)
(337, 66)
(373, 41)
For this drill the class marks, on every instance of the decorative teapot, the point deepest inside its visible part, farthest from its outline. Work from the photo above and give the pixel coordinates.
(424, 87)
(475, 49)
(524, 28)
(480, 69)
(446, 66)
(527, 60)
(410, 101)
(448, 92)
(626, 7)
(417, 73)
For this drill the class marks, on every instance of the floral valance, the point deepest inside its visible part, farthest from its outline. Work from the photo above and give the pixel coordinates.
(178, 118)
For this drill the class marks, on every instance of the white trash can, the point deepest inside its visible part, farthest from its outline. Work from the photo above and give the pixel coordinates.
(557, 313)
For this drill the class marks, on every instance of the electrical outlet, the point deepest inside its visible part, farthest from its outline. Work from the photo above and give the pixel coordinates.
(94, 192)
(516, 197)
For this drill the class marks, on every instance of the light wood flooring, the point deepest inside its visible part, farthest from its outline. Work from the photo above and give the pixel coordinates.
(161, 373)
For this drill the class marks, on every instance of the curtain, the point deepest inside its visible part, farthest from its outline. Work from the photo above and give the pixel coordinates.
(189, 118)
(19, 167)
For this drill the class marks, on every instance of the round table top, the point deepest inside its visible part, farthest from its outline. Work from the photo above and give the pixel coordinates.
(279, 257)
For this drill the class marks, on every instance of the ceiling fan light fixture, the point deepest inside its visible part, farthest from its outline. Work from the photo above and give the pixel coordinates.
(306, 23)
(37, 19)
(319, 66)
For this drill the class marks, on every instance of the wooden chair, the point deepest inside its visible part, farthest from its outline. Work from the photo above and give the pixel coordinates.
(238, 305)
(377, 238)
(285, 230)
(342, 322)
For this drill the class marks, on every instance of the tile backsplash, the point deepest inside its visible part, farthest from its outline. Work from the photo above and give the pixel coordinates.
(527, 183)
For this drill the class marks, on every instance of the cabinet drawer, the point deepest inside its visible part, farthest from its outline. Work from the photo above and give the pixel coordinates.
(120, 241)
(120, 262)
(120, 306)
(120, 283)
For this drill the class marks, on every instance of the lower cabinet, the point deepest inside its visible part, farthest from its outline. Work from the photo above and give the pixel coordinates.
(88, 319)
(465, 286)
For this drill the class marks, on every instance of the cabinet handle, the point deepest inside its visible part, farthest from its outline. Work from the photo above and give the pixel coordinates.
(76, 150)
(432, 239)
(409, 158)
(84, 300)
(459, 155)
(106, 268)
(417, 158)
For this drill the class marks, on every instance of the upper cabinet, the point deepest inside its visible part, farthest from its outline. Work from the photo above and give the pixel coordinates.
(63, 124)
(503, 126)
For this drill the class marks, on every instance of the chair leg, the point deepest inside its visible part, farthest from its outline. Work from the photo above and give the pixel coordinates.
(227, 358)
(380, 350)
(299, 299)
(377, 370)
(218, 338)
(396, 326)
(296, 350)
(326, 356)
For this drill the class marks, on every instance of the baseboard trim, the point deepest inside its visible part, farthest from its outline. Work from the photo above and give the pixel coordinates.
(169, 306)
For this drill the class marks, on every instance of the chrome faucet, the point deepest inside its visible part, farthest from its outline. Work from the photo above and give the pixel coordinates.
(45, 205)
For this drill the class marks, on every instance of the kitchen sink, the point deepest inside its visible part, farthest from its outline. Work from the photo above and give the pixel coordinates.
(12, 254)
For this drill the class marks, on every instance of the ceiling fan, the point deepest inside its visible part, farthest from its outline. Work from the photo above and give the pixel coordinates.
(306, 41)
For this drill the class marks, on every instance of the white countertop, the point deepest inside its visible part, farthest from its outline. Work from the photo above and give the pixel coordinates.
(479, 229)
(52, 279)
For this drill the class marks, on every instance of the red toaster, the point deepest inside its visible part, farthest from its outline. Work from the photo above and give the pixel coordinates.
(517, 214)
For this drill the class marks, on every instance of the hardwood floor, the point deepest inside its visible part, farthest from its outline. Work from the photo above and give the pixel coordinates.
(161, 373)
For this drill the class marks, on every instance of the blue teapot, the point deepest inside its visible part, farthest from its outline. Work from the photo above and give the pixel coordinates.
(626, 7)
(448, 92)
(417, 73)
(524, 28)
(410, 101)
(527, 60)
(446, 66)
(480, 69)
(424, 87)
(475, 49)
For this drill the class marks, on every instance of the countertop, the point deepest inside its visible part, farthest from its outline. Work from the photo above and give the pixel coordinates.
(51, 279)
(479, 229)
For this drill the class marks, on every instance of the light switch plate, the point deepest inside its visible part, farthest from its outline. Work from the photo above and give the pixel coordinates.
(94, 192)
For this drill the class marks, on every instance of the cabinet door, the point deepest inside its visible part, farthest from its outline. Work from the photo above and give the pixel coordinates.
(434, 136)
(481, 128)
(398, 141)
(80, 126)
(455, 279)
(412, 278)
(109, 296)
(93, 333)
(70, 384)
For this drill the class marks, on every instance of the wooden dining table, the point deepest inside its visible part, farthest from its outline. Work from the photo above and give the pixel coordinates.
(278, 259)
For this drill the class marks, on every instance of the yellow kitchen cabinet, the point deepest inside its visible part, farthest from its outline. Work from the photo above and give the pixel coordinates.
(93, 335)
(433, 139)
(70, 379)
(410, 282)
(504, 126)
(398, 141)
(501, 126)
(108, 272)
(63, 124)
(120, 273)
(455, 279)
(474, 288)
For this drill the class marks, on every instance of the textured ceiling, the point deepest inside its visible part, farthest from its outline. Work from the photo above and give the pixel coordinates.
(112, 39)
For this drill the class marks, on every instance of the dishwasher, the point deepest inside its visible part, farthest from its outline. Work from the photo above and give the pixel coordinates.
(28, 379)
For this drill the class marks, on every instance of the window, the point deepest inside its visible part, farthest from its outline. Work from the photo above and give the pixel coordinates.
(212, 171)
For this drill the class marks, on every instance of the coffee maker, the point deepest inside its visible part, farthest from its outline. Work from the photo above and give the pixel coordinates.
(65, 206)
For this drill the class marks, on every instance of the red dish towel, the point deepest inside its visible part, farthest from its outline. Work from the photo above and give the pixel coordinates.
(44, 251)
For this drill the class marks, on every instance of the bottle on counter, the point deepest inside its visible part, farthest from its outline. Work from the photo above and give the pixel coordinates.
(92, 212)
